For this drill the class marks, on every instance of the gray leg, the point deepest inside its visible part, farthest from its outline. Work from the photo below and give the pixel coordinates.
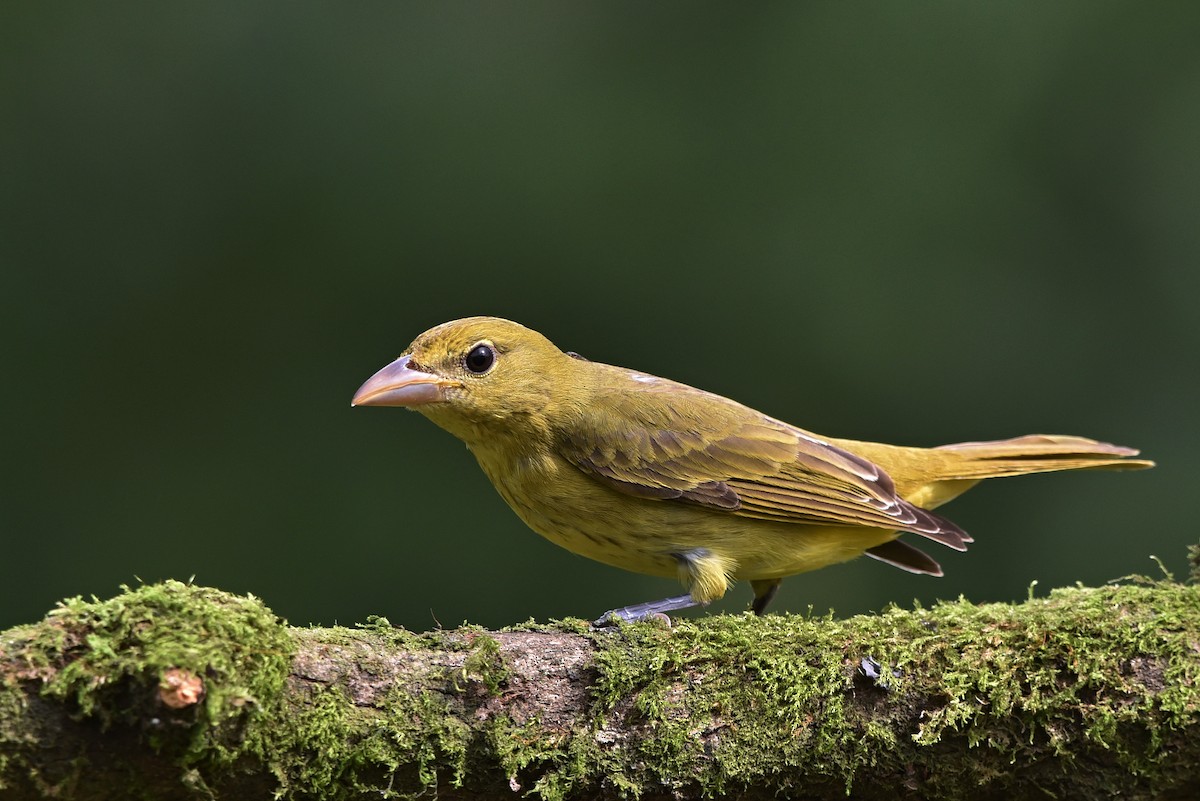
(642, 611)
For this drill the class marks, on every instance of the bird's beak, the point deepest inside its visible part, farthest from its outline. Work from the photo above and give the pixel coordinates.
(398, 384)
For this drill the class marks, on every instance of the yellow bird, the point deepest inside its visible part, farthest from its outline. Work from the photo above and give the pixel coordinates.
(658, 477)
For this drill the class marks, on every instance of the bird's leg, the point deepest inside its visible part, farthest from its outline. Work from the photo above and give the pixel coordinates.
(764, 591)
(705, 573)
(649, 609)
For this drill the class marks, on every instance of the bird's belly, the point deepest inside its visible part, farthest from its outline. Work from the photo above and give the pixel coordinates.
(589, 520)
(779, 550)
(646, 535)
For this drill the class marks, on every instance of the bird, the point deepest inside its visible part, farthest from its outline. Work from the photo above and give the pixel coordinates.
(657, 477)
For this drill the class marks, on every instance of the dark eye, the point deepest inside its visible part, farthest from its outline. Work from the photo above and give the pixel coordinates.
(480, 359)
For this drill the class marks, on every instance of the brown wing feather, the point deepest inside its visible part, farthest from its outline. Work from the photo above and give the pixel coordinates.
(906, 557)
(653, 438)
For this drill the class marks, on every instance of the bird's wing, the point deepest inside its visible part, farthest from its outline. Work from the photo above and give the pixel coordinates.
(654, 438)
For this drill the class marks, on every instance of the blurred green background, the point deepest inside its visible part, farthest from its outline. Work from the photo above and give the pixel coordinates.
(912, 223)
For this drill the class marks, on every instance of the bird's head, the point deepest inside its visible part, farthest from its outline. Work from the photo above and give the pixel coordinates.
(480, 378)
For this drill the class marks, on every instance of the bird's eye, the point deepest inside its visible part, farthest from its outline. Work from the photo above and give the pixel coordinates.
(480, 359)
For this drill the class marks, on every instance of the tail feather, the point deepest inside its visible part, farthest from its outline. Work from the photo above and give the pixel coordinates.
(1037, 453)
(929, 482)
(904, 556)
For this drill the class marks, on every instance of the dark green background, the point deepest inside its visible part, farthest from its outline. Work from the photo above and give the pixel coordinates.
(918, 223)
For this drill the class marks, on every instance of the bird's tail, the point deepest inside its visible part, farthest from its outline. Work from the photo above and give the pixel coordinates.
(1036, 453)
(964, 464)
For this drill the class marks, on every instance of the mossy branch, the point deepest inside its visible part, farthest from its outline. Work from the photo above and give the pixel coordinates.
(175, 691)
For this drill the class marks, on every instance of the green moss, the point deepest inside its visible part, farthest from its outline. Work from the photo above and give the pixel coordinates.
(518, 748)
(787, 693)
(567, 625)
(485, 664)
(90, 648)
(327, 748)
(715, 705)
(13, 733)
(107, 659)
(409, 743)
(410, 740)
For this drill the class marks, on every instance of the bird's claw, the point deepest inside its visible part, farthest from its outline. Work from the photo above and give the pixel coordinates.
(616, 616)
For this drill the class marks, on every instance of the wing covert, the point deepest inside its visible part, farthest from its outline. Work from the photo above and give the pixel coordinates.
(657, 439)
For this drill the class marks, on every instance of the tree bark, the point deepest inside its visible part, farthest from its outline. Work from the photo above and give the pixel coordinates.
(172, 691)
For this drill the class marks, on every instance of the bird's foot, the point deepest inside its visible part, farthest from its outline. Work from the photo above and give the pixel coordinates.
(651, 610)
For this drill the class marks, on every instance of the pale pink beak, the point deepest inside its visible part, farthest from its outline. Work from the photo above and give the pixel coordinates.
(398, 384)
